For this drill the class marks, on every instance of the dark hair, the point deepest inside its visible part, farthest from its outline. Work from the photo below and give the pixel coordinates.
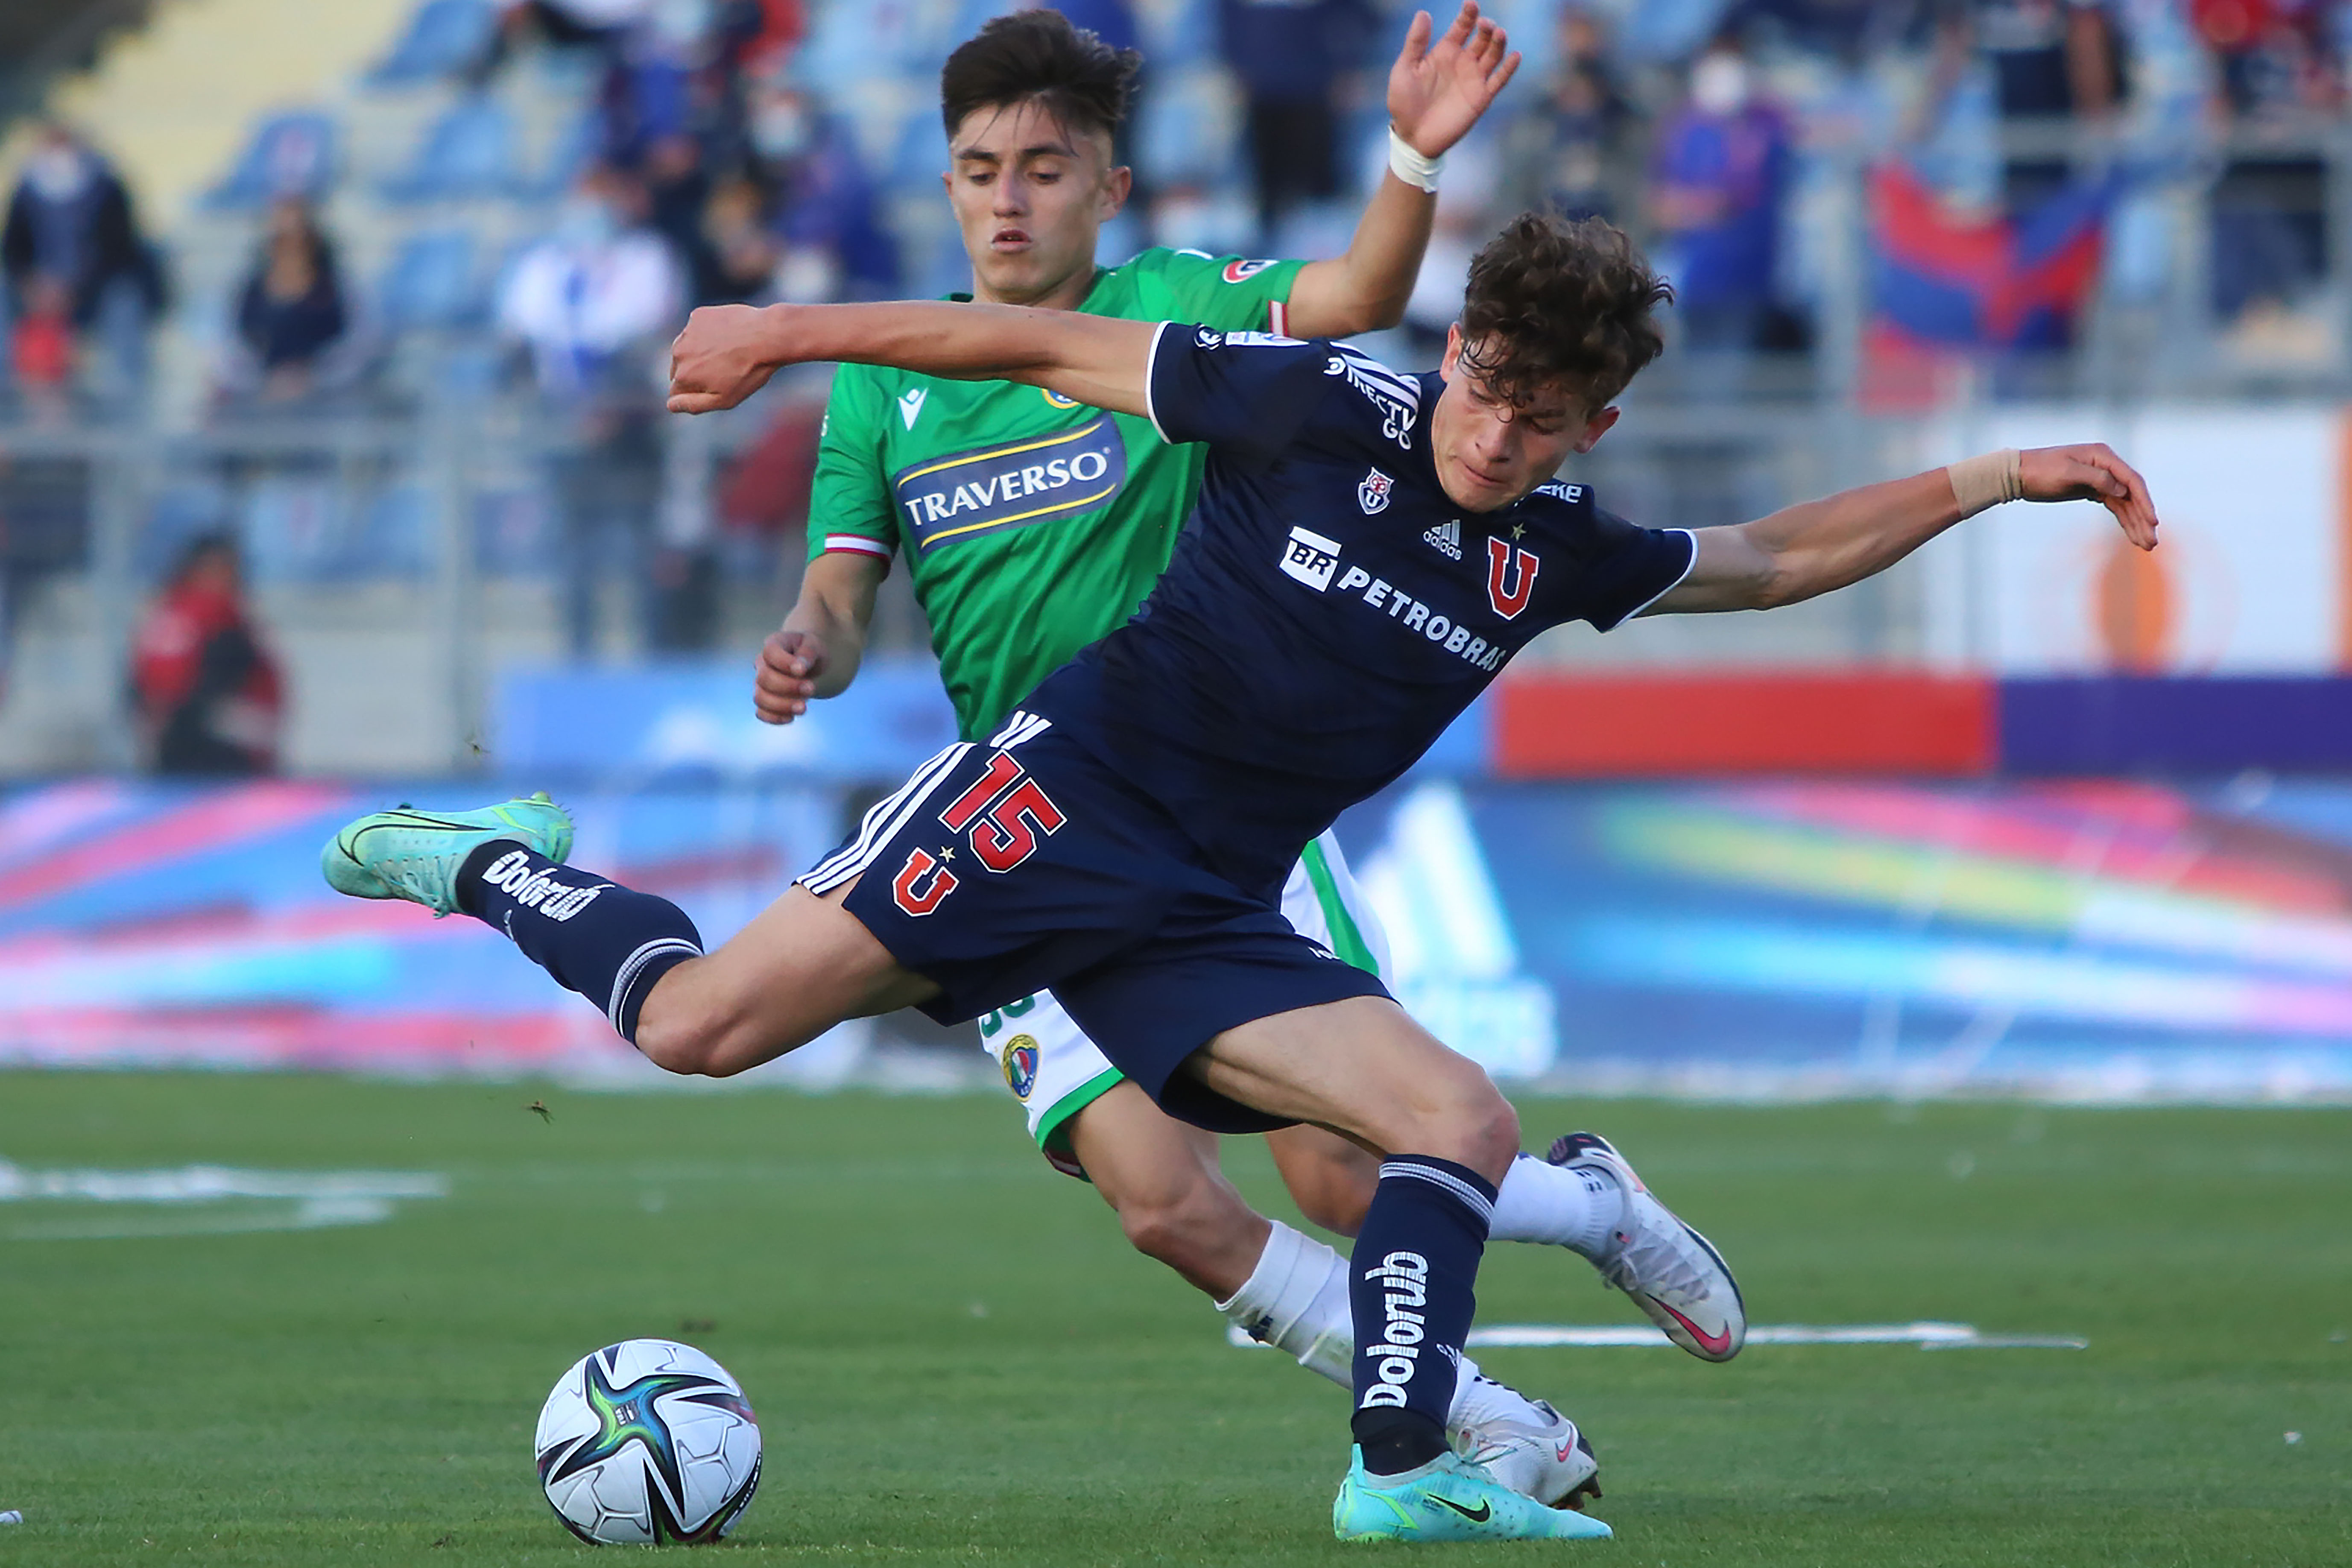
(201, 548)
(1559, 302)
(1038, 56)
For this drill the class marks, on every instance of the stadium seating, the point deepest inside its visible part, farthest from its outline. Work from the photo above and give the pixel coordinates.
(434, 281)
(469, 154)
(443, 38)
(291, 153)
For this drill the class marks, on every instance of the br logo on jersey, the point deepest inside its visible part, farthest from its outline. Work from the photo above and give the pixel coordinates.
(1240, 272)
(1011, 485)
(1020, 1063)
(1310, 558)
(1373, 492)
(1510, 577)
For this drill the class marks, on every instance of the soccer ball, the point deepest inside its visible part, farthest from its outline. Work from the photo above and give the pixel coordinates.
(647, 1442)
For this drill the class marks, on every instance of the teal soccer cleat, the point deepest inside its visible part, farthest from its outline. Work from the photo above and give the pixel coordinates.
(1449, 1499)
(416, 855)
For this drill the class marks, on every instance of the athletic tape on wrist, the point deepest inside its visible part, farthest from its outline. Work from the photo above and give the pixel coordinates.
(1986, 480)
(1411, 167)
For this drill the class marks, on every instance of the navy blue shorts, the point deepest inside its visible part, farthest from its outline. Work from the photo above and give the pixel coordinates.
(998, 871)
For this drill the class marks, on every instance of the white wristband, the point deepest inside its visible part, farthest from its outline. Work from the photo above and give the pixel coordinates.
(1411, 167)
(1987, 481)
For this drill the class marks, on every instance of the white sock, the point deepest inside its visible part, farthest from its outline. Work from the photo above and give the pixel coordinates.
(1296, 1299)
(1546, 1202)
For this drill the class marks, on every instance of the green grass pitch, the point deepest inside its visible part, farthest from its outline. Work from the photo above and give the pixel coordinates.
(957, 1361)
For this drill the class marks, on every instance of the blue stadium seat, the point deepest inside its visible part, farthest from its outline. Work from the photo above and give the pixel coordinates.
(433, 282)
(444, 38)
(392, 536)
(575, 148)
(469, 153)
(291, 153)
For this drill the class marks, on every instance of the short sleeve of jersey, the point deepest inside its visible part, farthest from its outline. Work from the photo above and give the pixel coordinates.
(1230, 293)
(1244, 393)
(850, 505)
(1626, 568)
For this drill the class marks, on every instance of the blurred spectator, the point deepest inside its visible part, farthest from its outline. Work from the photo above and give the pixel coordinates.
(677, 190)
(2051, 59)
(291, 313)
(1565, 143)
(737, 261)
(207, 694)
(41, 343)
(759, 36)
(1293, 58)
(595, 303)
(566, 22)
(829, 216)
(2270, 207)
(70, 221)
(1721, 177)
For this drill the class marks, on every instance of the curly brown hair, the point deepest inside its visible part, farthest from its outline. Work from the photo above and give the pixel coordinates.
(1039, 57)
(1559, 303)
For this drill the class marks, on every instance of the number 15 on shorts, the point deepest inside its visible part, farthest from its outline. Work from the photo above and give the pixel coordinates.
(1003, 816)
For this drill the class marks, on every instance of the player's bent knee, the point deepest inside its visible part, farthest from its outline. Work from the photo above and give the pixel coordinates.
(699, 1041)
(674, 1043)
(1473, 1124)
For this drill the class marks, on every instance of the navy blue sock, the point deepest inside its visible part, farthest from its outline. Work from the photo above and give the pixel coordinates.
(608, 942)
(1411, 1285)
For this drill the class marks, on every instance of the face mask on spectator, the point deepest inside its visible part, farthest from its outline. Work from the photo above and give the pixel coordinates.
(58, 174)
(781, 130)
(1719, 84)
(680, 26)
(584, 221)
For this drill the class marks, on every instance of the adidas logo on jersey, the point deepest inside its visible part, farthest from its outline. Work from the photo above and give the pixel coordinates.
(1446, 538)
(910, 405)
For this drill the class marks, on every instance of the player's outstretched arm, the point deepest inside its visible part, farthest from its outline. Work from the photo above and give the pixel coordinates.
(817, 650)
(1436, 93)
(1819, 546)
(729, 352)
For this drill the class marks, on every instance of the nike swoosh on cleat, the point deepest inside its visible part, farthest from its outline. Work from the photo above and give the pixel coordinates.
(1566, 1451)
(1715, 1345)
(1486, 1509)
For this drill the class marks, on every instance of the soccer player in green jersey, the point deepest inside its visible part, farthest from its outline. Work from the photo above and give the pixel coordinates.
(1032, 525)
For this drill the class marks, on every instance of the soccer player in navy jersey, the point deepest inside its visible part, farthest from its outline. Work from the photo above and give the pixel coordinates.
(1123, 838)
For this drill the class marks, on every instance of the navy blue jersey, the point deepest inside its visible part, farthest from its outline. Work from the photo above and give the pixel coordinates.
(1328, 610)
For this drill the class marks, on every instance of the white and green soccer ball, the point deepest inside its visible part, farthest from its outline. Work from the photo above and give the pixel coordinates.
(647, 1442)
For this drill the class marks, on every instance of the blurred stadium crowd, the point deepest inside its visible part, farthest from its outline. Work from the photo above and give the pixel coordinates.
(578, 173)
(440, 285)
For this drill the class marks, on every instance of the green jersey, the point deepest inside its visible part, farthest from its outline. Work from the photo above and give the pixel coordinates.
(1032, 524)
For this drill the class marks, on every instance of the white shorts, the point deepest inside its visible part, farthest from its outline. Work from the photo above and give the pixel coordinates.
(1055, 1071)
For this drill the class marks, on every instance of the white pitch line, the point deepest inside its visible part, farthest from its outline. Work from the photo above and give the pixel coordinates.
(202, 1200)
(1927, 1336)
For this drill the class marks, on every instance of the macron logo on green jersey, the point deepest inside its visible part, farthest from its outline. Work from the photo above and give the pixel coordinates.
(1012, 484)
(910, 405)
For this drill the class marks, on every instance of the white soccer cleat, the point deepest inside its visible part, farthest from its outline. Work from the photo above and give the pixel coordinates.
(1527, 1445)
(1672, 1272)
